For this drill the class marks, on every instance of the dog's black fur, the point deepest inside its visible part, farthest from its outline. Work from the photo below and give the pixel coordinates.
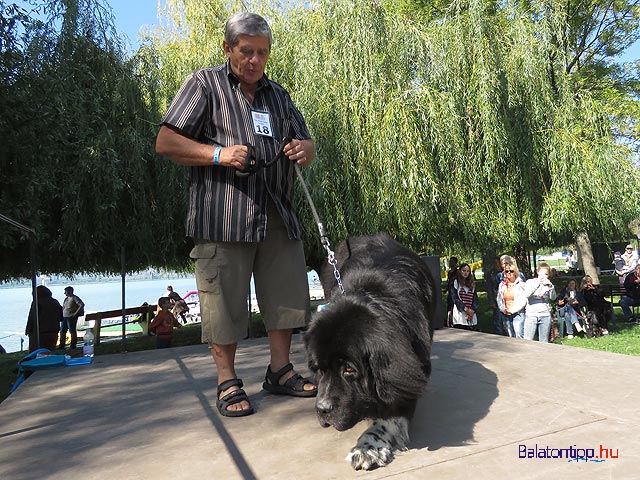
(370, 348)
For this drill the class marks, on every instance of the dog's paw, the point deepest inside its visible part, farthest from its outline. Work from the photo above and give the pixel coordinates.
(369, 457)
(376, 446)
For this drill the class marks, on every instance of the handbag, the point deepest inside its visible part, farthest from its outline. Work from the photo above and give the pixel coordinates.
(458, 317)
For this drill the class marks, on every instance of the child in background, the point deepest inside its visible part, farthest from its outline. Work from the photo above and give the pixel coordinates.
(163, 324)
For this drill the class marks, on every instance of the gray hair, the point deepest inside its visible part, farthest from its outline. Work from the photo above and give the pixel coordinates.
(245, 23)
(506, 259)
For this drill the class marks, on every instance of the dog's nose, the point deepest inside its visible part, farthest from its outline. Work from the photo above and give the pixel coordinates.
(323, 405)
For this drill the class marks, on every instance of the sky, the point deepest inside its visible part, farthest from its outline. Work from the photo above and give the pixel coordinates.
(131, 15)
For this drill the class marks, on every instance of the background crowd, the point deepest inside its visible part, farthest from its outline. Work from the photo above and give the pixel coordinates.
(529, 308)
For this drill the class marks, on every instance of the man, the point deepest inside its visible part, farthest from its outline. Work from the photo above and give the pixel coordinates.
(452, 273)
(72, 308)
(632, 297)
(243, 224)
(630, 258)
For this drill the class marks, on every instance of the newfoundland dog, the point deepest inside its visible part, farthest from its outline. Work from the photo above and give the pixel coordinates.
(370, 347)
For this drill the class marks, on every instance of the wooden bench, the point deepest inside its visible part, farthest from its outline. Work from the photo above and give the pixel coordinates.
(97, 317)
(618, 291)
(612, 291)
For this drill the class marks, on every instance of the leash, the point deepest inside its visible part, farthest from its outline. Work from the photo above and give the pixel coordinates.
(331, 258)
(252, 165)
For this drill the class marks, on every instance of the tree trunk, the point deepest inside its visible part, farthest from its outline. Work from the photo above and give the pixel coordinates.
(489, 271)
(585, 257)
(522, 259)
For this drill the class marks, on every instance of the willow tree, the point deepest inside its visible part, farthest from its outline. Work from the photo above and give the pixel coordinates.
(77, 156)
(441, 127)
(589, 35)
(450, 133)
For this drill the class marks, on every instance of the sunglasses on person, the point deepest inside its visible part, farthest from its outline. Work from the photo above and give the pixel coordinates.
(509, 271)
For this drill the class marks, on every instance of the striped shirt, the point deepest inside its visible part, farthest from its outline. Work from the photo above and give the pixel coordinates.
(211, 108)
(466, 295)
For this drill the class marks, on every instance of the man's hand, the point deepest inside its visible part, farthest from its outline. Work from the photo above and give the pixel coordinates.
(234, 156)
(300, 151)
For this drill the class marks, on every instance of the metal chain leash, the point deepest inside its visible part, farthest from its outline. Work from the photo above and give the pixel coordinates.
(331, 259)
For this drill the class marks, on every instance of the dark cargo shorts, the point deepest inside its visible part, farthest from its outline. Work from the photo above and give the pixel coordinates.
(223, 275)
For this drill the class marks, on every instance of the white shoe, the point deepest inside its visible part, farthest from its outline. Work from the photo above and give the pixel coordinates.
(569, 337)
(605, 331)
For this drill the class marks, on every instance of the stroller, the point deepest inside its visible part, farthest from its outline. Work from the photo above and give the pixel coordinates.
(589, 321)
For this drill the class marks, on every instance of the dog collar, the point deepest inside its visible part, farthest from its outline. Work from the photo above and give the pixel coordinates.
(321, 307)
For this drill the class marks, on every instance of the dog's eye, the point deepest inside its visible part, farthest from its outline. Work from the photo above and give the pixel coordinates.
(349, 371)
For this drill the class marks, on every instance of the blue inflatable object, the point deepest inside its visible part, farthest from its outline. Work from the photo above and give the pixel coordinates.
(43, 363)
(42, 359)
(72, 362)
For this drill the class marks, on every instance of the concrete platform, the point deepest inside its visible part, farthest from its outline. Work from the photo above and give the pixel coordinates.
(152, 415)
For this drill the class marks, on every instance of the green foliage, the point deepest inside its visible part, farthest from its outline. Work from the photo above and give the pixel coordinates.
(450, 133)
(453, 125)
(588, 36)
(78, 158)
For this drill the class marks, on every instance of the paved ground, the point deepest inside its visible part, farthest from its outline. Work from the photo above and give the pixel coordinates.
(152, 415)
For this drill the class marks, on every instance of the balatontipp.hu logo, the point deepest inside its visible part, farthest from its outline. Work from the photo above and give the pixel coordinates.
(571, 454)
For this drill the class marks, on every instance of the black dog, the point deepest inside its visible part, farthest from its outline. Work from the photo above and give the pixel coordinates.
(370, 348)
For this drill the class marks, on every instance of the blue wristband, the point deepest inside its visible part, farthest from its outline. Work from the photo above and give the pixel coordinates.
(216, 155)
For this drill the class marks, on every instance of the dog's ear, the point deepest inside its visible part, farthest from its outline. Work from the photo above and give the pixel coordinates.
(382, 374)
(397, 372)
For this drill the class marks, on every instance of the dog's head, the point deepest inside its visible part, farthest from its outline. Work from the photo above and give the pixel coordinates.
(365, 364)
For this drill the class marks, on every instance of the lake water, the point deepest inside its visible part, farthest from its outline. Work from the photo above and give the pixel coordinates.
(96, 296)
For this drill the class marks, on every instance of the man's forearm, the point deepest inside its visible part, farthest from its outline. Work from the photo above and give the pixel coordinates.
(181, 149)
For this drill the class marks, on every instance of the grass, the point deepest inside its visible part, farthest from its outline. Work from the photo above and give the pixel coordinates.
(623, 338)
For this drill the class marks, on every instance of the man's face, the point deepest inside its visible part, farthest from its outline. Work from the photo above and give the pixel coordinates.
(248, 58)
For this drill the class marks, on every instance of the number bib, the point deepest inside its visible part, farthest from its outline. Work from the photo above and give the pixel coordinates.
(262, 123)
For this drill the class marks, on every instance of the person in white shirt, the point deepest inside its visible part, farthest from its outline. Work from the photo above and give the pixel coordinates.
(540, 292)
(72, 308)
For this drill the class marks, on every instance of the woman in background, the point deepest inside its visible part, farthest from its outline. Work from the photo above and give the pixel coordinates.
(49, 318)
(464, 299)
(511, 302)
(570, 301)
(539, 292)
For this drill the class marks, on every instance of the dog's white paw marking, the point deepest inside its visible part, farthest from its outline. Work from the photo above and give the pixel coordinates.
(376, 447)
